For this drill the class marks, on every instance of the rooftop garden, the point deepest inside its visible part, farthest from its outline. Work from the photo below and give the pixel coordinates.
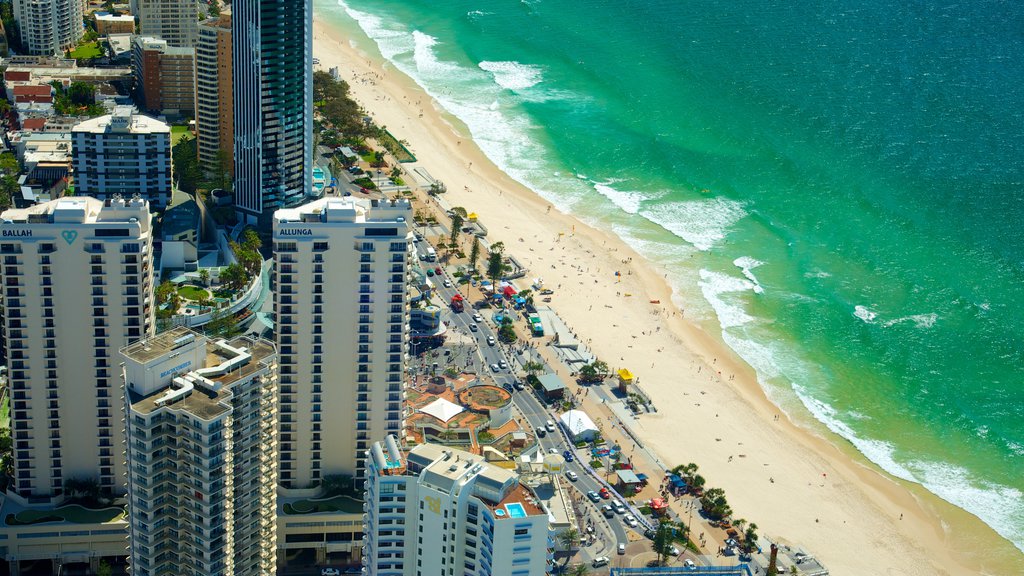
(346, 504)
(74, 513)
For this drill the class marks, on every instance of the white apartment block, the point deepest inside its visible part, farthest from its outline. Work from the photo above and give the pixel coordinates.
(438, 511)
(200, 422)
(48, 27)
(122, 153)
(341, 305)
(175, 21)
(77, 286)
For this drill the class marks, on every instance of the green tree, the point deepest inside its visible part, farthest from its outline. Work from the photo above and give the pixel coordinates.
(9, 187)
(251, 240)
(104, 569)
(663, 541)
(750, 538)
(234, 276)
(214, 10)
(204, 276)
(507, 333)
(568, 538)
(223, 324)
(474, 252)
(456, 228)
(533, 367)
(601, 367)
(496, 263)
(714, 504)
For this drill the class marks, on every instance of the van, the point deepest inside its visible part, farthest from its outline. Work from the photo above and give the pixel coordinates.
(550, 426)
(600, 561)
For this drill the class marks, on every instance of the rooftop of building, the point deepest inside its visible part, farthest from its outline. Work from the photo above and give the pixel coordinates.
(348, 209)
(203, 401)
(182, 215)
(80, 210)
(108, 17)
(123, 120)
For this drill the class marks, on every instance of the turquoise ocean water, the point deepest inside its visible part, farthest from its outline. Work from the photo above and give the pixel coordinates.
(836, 187)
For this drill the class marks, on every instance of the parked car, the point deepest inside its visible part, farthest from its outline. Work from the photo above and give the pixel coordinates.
(571, 475)
(437, 270)
(447, 283)
(478, 318)
(674, 551)
(689, 564)
(593, 496)
(619, 508)
(600, 561)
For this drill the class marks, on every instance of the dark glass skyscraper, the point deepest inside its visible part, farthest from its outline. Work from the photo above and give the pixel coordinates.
(273, 79)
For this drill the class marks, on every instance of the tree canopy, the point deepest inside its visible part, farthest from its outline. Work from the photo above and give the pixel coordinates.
(337, 107)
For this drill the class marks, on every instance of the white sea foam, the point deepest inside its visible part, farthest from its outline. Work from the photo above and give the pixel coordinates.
(919, 320)
(714, 285)
(1001, 507)
(513, 75)
(865, 314)
(817, 274)
(699, 222)
(746, 264)
(627, 200)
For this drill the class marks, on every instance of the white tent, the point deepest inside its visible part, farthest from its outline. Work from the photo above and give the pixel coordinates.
(578, 425)
(442, 409)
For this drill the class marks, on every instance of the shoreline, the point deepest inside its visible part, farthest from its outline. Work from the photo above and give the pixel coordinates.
(860, 504)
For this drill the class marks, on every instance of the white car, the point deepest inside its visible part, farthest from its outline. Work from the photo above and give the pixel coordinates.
(447, 283)
(490, 341)
(622, 548)
(573, 477)
(673, 551)
(330, 572)
(630, 521)
(478, 318)
(689, 564)
(502, 365)
(494, 368)
(473, 328)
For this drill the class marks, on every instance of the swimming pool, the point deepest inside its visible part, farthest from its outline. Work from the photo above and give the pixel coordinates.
(515, 510)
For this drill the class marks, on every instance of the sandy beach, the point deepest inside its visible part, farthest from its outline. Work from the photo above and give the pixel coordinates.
(797, 484)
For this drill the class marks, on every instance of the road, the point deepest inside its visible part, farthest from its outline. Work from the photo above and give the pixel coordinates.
(611, 531)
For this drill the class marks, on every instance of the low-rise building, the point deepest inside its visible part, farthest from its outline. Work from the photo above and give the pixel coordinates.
(440, 511)
(107, 24)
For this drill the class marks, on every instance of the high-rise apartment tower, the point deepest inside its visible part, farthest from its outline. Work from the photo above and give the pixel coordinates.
(342, 332)
(77, 286)
(273, 80)
(200, 429)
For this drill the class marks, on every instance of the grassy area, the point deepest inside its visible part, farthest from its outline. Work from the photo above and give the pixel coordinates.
(401, 153)
(74, 513)
(5, 413)
(179, 134)
(193, 293)
(88, 50)
(345, 504)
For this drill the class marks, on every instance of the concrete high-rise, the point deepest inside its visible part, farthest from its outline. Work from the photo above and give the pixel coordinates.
(165, 81)
(172, 20)
(200, 427)
(273, 80)
(48, 27)
(123, 153)
(215, 135)
(77, 286)
(441, 511)
(341, 307)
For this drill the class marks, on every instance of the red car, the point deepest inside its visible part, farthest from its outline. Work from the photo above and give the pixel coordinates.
(437, 270)
(605, 493)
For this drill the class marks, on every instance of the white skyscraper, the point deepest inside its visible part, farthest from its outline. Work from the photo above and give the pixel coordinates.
(77, 286)
(48, 27)
(439, 511)
(201, 424)
(342, 330)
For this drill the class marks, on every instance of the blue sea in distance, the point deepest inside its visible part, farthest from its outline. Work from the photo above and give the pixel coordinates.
(835, 186)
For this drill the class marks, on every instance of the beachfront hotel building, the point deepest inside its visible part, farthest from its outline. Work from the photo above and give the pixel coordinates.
(174, 21)
(201, 420)
(123, 154)
(48, 27)
(215, 96)
(441, 511)
(340, 303)
(77, 286)
(273, 79)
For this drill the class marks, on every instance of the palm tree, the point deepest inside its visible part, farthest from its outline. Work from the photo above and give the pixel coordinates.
(568, 538)
(579, 570)
(532, 367)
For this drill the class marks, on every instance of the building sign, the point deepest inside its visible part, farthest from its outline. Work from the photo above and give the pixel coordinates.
(176, 369)
(17, 233)
(296, 232)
